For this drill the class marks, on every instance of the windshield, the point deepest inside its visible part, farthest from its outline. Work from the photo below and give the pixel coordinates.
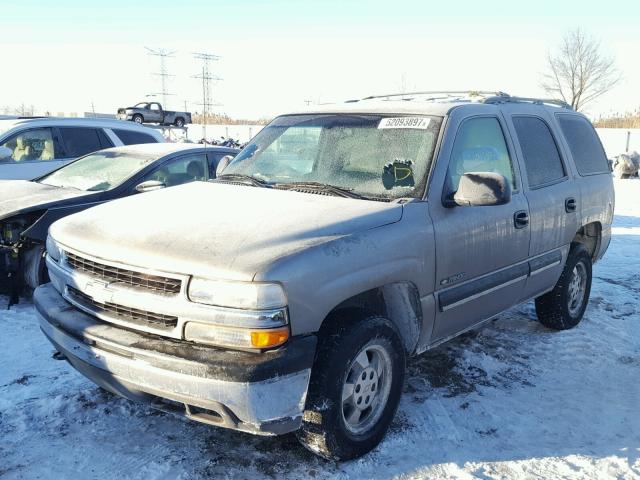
(98, 171)
(375, 156)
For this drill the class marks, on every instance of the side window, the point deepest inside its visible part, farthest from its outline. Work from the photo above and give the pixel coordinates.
(79, 141)
(586, 149)
(541, 157)
(130, 137)
(479, 147)
(38, 144)
(155, 107)
(184, 169)
(214, 159)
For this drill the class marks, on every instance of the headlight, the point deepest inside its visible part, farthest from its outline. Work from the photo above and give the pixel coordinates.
(235, 337)
(53, 250)
(245, 295)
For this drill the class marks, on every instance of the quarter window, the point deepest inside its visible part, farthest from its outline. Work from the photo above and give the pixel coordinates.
(479, 147)
(129, 137)
(586, 149)
(539, 150)
(32, 145)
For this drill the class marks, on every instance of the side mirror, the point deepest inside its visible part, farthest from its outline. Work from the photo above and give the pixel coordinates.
(481, 189)
(223, 163)
(5, 153)
(150, 186)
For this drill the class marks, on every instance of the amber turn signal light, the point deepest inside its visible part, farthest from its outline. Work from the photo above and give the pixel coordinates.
(269, 338)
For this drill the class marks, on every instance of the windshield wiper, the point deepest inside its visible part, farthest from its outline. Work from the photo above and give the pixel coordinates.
(239, 177)
(320, 187)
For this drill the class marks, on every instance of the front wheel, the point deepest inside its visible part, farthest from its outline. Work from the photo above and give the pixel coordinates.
(563, 307)
(355, 389)
(34, 267)
(137, 118)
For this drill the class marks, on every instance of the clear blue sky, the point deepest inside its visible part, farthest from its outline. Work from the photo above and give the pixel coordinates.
(407, 36)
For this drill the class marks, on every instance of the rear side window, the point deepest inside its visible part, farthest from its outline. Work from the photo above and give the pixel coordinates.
(129, 137)
(541, 157)
(79, 141)
(586, 149)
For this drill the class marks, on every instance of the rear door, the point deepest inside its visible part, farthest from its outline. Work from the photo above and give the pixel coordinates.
(481, 252)
(554, 199)
(79, 141)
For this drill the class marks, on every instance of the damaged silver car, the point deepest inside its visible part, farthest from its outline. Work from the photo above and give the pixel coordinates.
(287, 294)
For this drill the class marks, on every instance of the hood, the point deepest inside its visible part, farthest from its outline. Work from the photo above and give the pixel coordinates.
(216, 230)
(21, 196)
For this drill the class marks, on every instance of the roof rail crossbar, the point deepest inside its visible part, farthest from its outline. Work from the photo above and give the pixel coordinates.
(446, 93)
(539, 101)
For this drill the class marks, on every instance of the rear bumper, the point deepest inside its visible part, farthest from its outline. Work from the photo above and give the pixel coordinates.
(258, 393)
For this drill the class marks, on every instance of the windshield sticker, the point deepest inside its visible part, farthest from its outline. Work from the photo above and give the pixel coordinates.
(420, 123)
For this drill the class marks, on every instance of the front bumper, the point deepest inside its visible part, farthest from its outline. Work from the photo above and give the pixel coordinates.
(258, 393)
(124, 116)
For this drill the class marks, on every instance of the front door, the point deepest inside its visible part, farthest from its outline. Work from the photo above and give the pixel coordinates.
(481, 252)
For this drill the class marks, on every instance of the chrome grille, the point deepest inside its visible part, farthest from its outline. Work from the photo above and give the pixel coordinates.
(114, 274)
(133, 315)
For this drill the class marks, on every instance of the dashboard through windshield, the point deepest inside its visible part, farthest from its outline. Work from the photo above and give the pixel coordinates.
(375, 156)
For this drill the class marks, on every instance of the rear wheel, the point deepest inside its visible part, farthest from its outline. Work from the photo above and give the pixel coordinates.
(179, 122)
(355, 389)
(137, 118)
(563, 307)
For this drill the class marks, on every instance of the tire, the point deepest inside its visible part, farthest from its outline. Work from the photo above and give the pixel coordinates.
(179, 122)
(340, 429)
(563, 307)
(34, 267)
(137, 118)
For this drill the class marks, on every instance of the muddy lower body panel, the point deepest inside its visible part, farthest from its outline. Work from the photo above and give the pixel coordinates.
(258, 393)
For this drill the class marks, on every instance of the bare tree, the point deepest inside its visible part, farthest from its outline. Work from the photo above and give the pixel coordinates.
(578, 71)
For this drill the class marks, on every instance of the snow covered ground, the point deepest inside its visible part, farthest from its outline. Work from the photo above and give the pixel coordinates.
(512, 400)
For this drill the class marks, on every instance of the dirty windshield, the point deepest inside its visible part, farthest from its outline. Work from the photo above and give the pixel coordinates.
(373, 156)
(98, 171)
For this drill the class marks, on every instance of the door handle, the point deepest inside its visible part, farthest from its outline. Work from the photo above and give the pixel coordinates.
(570, 205)
(521, 219)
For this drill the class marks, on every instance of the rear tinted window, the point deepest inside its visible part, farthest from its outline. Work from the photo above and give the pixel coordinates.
(79, 141)
(130, 137)
(539, 149)
(586, 150)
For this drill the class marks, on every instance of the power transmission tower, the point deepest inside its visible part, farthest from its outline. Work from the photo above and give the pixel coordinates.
(207, 92)
(163, 73)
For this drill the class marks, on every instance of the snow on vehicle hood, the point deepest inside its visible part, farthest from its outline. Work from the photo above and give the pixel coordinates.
(22, 196)
(216, 230)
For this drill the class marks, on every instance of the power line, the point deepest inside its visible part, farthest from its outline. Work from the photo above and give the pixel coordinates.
(163, 73)
(207, 78)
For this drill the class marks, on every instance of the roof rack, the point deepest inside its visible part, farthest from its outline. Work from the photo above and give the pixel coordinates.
(483, 96)
(441, 94)
(537, 101)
